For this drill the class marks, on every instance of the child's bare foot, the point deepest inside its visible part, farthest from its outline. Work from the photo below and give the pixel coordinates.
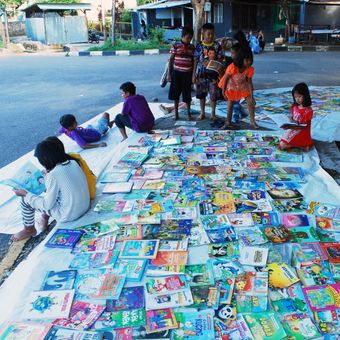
(213, 118)
(190, 117)
(201, 117)
(176, 117)
(254, 125)
(43, 221)
(27, 232)
(227, 126)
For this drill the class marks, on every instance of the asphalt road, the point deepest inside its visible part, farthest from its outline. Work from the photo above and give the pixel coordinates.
(35, 90)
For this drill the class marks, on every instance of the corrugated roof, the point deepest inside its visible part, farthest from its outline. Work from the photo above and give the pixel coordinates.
(164, 4)
(59, 7)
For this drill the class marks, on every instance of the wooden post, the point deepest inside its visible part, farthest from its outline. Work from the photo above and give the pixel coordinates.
(113, 30)
(6, 28)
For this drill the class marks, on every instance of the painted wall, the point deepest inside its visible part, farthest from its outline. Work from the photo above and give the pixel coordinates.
(322, 15)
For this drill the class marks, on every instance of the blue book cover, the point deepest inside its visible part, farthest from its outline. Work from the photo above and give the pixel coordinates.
(64, 238)
(59, 280)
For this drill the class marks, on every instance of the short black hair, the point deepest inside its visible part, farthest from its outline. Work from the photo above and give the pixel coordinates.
(66, 121)
(302, 89)
(208, 26)
(128, 87)
(187, 30)
(211, 48)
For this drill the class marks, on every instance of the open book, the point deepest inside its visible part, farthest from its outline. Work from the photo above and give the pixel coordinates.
(282, 119)
(29, 178)
(216, 66)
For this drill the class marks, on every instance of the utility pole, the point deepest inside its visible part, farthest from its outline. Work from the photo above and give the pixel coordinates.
(103, 21)
(113, 31)
(6, 28)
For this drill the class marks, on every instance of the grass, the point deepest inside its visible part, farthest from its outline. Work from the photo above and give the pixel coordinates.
(129, 45)
(1, 44)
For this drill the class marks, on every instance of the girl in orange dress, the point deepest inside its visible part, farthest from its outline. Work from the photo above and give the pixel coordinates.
(299, 136)
(237, 84)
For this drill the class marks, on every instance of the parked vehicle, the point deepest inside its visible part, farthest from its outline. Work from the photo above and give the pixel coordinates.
(93, 37)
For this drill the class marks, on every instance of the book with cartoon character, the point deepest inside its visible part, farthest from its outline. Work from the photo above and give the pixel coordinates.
(59, 280)
(146, 249)
(130, 298)
(160, 320)
(64, 238)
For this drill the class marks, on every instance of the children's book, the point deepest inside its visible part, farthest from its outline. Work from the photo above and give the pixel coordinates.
(168, 258)
(251, 303)
(133, 269)
(199, 274)
(243, 328)
(129, 232)
(164, 270)
(241, 220)
(146, 249)
(277, 234)
(280, 194)
(96, 284)
(198, 237)
(281, 275)
(252, 284)
(169, 230)
(82, 316)
(98, 229)
(290, 205)
(224, 250)
(327, 223)
(222, 235)
(113, 206)
(48, 304)
(265, 326)
(304, 234)
(130, 298)
(332, 250)
(326, 297)
(153, 184)
(168, 245)
(324, 210)
(301, 329)
(57, 333)
(316, 274)
(306, 253)
(102, 243)
(115, 177)
(29, 178)
(166, 284)
(121, 187)
(226, 290)
(23, 331)
(120, 319)
(294, 220)
(265, 218)
(169, 300)
(149, 174)
(206, 297)
(160, 320)
(250, 236)
(59, 280)
(174, 140)
(253, 256)
(328, 321)
(224, 269)
(194, 324)
(133, 159)
(88, 260)
(64, 238)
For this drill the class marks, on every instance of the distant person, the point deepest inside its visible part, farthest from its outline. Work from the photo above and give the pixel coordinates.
(86, 136)
(67, 195)
(301, 112)
(180, 70)
(143, 30)
(136, 113)
(260, 38)
(204, 85)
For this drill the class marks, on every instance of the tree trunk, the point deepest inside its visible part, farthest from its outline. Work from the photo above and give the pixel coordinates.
(198, 13)
(2, 33)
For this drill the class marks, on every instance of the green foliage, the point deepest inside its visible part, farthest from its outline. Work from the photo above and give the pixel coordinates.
(126, 16)
(157, 34)
(144, 2)
(128, 45)
(59, 1)
(10, 2)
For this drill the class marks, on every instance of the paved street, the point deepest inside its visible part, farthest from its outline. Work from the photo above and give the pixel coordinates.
(37, 90)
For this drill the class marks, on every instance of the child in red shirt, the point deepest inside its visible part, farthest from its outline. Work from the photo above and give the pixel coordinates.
(301, 112)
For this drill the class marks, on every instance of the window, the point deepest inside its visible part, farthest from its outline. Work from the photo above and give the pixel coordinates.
(218, 13)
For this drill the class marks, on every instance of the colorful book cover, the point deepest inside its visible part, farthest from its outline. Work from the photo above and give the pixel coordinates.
(113, 206)
(96, 244)
(48, 304)
(94, 260)
(205, 297)
(332, 250)
(304, 234)
(198, 237)
(253, 256)
(153, 184)
(265, 326)
(99, 229)
(241, 220)
(115, 177)
(324, 210)
(266, 218)
(252, 283)
(327, 223)
(167, 231)
(23, 331)
(301, 329)
(113, 188)
(64, 238)
(251, 303)
(278, 194)
(29, 178)
(226, 290)
(168, 258)
(149, 174)
(250, 236)
(194, 324)
(294, 220)
(168, 245)
(120, 319)
(82, 316)
(146, 249)
(224, 250)
(164, 270)
(243, 328)
(166, 284)
(326, 297)
(223, 269)
(306, 253)
(160, 320)
(129, 232)
(290, 205)
(59, 280)
(199, 274)
(281, 275)
(57, 333)
(130, 298)
(133, 159)
(328, 321)
(277, 234)
(133, 269)
(222, 235)
(174, 140)
(316, 274)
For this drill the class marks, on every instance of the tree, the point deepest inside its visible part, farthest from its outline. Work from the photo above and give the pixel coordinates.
(198, 7)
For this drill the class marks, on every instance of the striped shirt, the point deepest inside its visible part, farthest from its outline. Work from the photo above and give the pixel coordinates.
(184, 55)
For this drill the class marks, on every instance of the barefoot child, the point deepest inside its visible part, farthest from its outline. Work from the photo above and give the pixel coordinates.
(301, 113)
(85, 136)
(237, 84)
(180, 70)
(203, 83)
(67, 194)
(136, 113)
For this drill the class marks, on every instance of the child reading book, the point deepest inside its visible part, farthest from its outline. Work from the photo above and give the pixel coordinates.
(85, 136)
(67, 194)
(298, 134)
(136, 113)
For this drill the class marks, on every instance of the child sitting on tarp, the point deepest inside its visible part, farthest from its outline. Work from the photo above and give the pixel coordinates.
(85, 136)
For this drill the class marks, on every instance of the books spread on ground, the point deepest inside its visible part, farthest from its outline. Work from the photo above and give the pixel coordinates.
(283, 119)
(205, 236)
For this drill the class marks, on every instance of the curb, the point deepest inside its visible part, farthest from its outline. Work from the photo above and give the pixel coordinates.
(300, 48)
